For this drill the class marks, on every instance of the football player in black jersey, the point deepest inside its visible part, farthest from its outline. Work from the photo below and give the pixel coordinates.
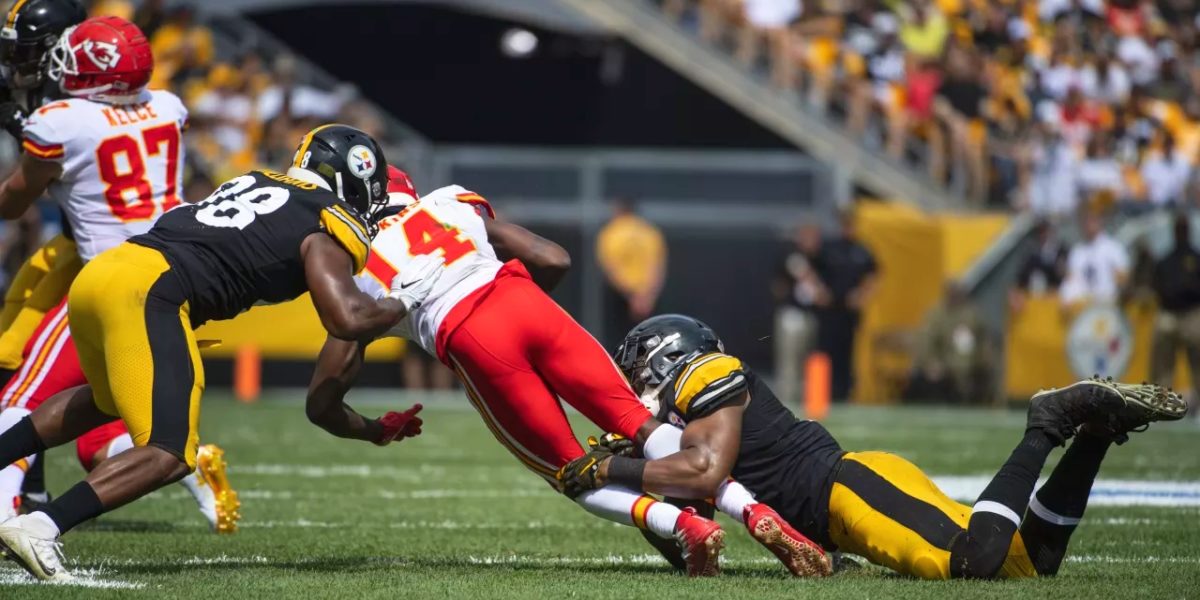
(874, 504)
(262, 237)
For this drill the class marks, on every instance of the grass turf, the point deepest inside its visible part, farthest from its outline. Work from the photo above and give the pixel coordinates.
(451, 514)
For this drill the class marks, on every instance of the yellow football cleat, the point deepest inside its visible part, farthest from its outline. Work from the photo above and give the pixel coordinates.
(210, 466)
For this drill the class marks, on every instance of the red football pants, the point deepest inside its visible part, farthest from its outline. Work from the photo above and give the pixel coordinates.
(50, 365)
(517, 352)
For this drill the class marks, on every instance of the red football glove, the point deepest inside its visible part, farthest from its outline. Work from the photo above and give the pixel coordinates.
(400, 425)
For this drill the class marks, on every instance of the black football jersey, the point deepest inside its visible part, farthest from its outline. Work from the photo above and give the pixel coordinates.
(786, 462)
(241, 245)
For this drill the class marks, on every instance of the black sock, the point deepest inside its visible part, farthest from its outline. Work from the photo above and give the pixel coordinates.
(79, 504)
(19, 441)
(981, 551)
(35, 477)
(1061, 501)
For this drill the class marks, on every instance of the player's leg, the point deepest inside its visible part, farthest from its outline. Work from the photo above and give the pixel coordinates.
(48, 366)
(1057, 508)
(800, 555)
(129, 316)
(884, 508)
(207, 485)
(40, 285)
(526, 417)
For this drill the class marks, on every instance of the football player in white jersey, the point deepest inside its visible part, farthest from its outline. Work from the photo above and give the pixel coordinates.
(111, 155)
(517, 353)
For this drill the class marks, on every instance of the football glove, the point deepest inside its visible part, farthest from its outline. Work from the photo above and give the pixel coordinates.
(579, 475)
(414, 284)
(615, 443)
(12, 119)
(399, 425)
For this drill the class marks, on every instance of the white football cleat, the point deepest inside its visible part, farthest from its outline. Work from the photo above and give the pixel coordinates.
(31, 543)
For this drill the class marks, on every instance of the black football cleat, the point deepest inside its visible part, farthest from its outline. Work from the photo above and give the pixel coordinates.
(1144, 404)
(1059, 412)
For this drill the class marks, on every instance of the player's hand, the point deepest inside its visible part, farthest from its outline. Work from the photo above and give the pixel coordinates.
(580, 475)
(414, 284)
(400, 425)
(615, 443)
(12, 119)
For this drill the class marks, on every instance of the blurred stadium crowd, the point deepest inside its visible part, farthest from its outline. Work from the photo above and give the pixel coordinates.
(1034, 103)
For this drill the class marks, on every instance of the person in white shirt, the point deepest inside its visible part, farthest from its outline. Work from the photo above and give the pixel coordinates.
(1097, 266)
(1166, 175)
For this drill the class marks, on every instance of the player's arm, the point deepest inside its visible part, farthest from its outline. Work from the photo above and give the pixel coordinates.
(337, 367)
(710, 447)
(26, 184)
(546, 261)
(346, 312)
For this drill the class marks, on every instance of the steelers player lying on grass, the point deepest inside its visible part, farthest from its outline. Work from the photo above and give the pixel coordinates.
(517, 353)
(873, 504)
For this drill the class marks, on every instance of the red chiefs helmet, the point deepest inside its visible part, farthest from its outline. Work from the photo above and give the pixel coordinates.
(103, 58)
(401, 191)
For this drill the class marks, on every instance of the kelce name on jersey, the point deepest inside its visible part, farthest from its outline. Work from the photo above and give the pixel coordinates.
(128, 115)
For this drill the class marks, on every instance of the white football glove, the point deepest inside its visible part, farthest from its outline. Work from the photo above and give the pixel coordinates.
(413, 285)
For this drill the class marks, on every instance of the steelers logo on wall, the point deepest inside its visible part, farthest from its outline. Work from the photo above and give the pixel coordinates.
(1100, 342)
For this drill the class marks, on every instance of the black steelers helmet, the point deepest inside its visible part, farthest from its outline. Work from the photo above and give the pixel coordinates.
(656, 348)
(31, 28)
(351, 162)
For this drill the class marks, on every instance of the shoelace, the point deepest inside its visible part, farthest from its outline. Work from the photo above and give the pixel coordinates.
(52, 550)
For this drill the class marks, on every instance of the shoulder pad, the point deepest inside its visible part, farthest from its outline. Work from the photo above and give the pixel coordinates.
(706, 383)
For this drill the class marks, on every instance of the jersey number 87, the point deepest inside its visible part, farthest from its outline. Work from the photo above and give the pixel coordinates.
(119, 182)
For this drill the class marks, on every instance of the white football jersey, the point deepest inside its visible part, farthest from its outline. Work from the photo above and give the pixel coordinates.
(122, 166)
(449, 222)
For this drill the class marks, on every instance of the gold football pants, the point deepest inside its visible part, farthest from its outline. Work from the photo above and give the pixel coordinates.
(888, 511)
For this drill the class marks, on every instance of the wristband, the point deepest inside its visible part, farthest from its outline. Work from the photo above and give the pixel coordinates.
(626, 471)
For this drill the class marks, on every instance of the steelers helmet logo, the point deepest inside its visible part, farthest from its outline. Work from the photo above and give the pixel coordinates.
(362, 162)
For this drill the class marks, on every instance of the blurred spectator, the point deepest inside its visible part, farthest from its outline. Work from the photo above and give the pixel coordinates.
(225, 110)
(923, 29)
(286, 96)
(960, 106)
(1097, 266)
(1099, 171)
(798, 292)
(1176, 283)
(954, 357)
(1043, 271)
(848, 271)
(1048, 166)
(112, 8)
(1166, 173)
(181, 48)
(633, 256)
(149, 16)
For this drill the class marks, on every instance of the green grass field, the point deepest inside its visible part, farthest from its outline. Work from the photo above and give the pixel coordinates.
(451, 514)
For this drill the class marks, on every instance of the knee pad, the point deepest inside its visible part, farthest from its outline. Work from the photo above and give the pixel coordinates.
(978, 557)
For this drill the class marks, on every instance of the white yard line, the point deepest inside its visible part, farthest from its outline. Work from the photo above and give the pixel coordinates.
(86, 578)
(1105, 492)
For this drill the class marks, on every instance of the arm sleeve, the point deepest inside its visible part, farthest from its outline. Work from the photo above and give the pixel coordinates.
(349, 231)
(707, 383)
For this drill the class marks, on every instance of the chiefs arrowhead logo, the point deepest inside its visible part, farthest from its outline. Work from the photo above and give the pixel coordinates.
(102, 54)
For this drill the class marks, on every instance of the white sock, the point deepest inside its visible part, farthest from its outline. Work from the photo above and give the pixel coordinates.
(118, 445)
(12, 476)
(732, 497)
(627, 507)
